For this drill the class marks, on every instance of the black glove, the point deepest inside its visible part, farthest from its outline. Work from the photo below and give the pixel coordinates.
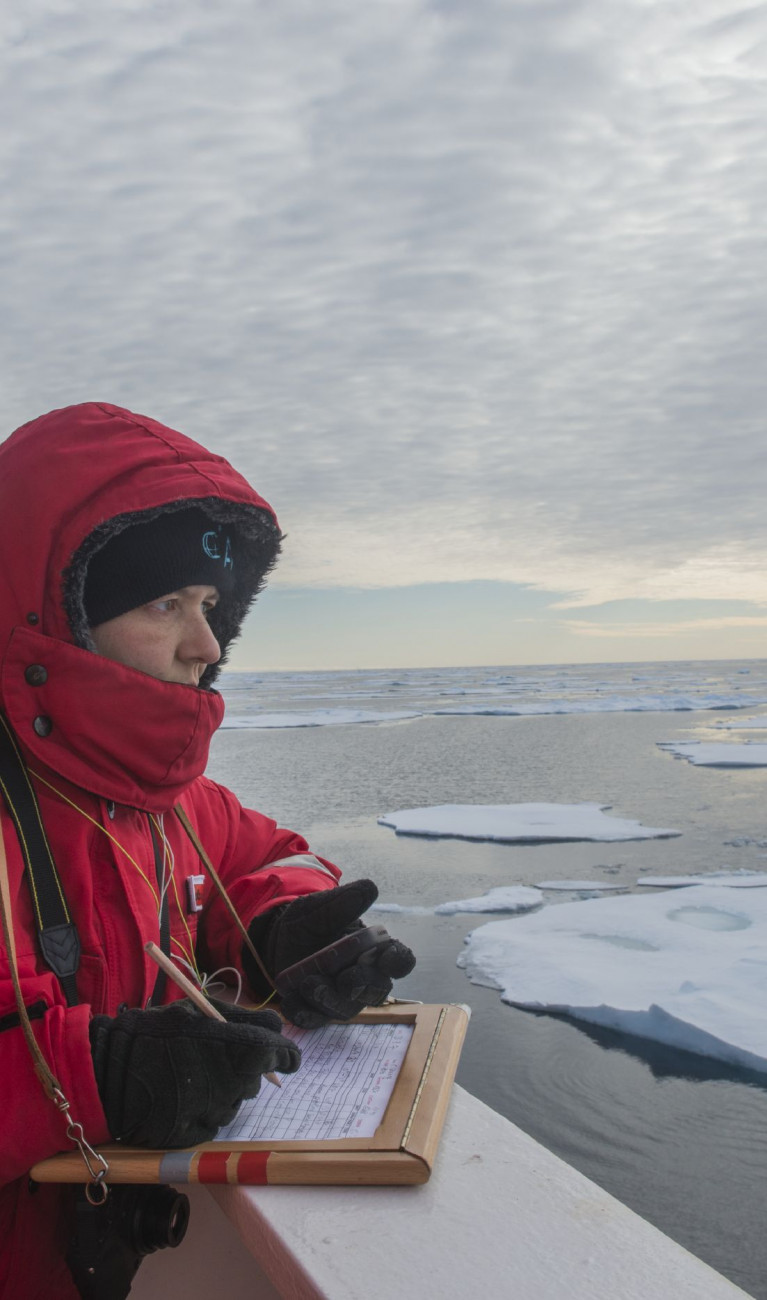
(288, 934)
(172, 1077)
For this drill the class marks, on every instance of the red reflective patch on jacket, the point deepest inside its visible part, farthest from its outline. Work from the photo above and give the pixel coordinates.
(194, 893)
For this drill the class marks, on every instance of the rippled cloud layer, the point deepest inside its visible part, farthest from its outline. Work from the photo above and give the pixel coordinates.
(471, 289)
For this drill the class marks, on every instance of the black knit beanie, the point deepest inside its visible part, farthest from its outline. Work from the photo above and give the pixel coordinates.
(181, 548)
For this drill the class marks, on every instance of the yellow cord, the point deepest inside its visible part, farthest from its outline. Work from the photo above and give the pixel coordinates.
(260, 1006)
(98, 825)
(188, 955)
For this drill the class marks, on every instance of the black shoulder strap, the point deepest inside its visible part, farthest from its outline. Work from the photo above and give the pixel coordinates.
(59, 940)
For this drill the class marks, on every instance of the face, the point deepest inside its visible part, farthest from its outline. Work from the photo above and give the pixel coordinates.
(169, 638)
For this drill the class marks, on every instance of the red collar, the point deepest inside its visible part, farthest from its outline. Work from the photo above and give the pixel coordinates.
(109, 729)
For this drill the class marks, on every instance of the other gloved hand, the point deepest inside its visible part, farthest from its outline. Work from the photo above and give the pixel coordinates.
(172, 1077)
(289, 933)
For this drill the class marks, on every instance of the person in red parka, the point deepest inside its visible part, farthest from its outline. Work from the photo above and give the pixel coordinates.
(131, 556)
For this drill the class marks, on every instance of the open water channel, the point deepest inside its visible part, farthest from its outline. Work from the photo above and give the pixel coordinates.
(679, 1137)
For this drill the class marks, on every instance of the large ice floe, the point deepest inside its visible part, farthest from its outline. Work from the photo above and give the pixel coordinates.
(520, 823)
(717, 753)
(687, 968)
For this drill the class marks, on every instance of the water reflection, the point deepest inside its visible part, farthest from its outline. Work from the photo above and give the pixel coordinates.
(664, 1061)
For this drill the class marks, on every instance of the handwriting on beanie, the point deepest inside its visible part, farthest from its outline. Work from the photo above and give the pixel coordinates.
(212, 548)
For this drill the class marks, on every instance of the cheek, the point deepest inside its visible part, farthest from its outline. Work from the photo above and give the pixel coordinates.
(143, 648)
(152, 645)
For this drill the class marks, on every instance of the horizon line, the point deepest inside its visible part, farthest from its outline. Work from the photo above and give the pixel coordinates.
(547, 663)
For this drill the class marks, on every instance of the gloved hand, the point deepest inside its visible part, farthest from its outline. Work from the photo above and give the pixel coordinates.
(289, 933)
(171, 1076)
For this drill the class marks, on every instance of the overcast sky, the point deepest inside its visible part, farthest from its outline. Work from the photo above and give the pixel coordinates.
(473, 291)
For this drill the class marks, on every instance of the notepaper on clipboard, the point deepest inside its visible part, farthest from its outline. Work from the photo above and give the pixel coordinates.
(344, 1084)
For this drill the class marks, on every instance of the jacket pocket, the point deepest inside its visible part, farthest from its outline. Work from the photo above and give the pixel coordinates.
(13, 1020)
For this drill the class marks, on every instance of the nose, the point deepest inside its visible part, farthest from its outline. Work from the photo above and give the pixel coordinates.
(199, 644)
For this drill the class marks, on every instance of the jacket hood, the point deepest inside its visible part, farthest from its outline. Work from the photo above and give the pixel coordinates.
(72, 479)
(69, 482)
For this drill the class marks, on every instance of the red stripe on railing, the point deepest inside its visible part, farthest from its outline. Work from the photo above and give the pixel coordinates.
(211, 1167)
(251, 1167)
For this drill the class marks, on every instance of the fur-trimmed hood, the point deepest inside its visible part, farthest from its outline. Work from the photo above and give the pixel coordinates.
(69, 482)
(73, 479)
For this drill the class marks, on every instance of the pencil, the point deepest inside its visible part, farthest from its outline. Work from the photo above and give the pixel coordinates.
(192, 992)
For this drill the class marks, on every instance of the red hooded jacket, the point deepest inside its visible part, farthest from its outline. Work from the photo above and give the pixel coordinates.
(116, 745)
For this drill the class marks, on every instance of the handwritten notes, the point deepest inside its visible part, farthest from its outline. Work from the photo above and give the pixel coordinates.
(342, 1089)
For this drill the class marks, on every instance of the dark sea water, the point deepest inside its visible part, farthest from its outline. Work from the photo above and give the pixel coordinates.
(680, 1138)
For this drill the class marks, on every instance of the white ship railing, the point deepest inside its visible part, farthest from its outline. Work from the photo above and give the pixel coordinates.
(500, 1217)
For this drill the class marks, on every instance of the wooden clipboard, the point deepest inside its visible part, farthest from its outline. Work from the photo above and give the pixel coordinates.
(402, 1149)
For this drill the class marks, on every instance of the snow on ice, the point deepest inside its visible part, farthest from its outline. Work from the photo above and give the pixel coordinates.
(521, 823)
(687, 969)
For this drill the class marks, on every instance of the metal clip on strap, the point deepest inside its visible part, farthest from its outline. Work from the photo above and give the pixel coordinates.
(96, 1190)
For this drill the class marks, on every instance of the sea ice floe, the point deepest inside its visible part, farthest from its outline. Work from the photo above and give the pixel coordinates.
(688, 969)
(401, 908)
(703, 753)
(504, 898)
(313, 718)
(573, 886)
(520, 823)
(741, 724)
(722, 879)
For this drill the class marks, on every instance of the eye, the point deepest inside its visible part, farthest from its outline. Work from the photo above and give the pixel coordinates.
(165, 606)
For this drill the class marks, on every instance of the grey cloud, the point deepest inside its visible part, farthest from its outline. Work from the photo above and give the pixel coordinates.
(408, 263)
